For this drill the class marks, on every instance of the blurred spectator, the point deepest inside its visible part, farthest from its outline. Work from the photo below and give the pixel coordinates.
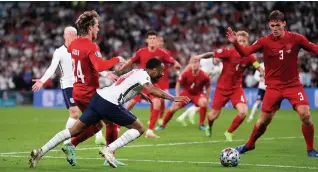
(30, 31)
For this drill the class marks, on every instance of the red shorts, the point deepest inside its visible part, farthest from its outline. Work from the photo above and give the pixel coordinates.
(82, 98)
(274, 96)
(194, 98)
(221, 97)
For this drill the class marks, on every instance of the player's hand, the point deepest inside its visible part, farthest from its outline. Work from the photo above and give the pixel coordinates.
(231, 35)
(181, 99)
(112, 76)
(121, 59)
(37, 85)
(145, 97)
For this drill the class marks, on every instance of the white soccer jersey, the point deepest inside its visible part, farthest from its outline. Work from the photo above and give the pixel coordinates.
(211, 69)
(261, 80)
(126, 87)
(63, 59)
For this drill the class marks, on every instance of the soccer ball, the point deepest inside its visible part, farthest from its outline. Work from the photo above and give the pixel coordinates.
(229, 157)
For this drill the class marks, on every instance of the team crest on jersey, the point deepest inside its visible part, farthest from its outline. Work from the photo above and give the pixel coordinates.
(219, 51)
(98, 54)
(288, 47)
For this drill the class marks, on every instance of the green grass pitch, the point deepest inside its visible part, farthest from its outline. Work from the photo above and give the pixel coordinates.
(180, 149)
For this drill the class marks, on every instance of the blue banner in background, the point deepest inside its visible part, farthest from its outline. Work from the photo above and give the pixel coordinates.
(54, 99)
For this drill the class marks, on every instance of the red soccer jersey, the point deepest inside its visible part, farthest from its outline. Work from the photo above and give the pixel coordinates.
(144, 54)
(280, 57)
(87, 64)
(233, 67)
(194, 84)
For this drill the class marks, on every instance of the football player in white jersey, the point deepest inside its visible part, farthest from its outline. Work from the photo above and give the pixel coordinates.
(107, 105)
(63, 59)
(213, 68)
(260, 94)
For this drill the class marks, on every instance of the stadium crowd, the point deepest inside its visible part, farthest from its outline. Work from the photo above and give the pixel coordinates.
(30, 32)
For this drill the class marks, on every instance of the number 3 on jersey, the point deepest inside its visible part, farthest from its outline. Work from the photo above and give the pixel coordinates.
(281, 54)
(79, 73)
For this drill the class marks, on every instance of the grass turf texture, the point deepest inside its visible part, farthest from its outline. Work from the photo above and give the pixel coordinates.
(183, 149)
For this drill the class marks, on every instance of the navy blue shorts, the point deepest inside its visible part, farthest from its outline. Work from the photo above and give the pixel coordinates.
(101, 109)
(260, 94)
(68, 97)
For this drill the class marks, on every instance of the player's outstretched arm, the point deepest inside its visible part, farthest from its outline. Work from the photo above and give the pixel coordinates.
(243, 51)
(102, 65)
(161, 94)
(125, 65)
(48, 73)
(308, 46)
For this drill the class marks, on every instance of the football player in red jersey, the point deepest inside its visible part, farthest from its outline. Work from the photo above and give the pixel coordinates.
(280, 50)
(193, 81)
(88, 63)
(141, 57)
(229, 85)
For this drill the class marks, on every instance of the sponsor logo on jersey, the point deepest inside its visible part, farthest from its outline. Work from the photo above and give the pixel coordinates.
(75, 52)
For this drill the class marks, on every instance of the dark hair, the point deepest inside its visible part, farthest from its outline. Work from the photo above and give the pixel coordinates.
(153, 63)
(85, 20)
(151, 33)
(276, 15)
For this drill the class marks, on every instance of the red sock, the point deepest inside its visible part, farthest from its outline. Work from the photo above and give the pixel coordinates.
(257, 132)
(112, 131)
(237, 121)
(308, 132)
(167, 118)
(202, 114)
(210, 122)
(89, 132)
(162, 109)
(153, 118)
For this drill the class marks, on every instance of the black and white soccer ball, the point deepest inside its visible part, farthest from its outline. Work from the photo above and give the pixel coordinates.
(229, 157)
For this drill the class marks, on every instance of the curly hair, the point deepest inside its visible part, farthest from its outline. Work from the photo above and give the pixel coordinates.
(85, 20)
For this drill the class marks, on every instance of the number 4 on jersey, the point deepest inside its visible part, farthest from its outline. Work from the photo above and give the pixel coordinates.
(79, 73)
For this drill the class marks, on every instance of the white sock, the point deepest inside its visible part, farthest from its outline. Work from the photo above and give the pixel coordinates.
(70, 122)
(99, 134)
(255, 106)
(184, 115)
(56, 140)
(192, 110)
(124, 139)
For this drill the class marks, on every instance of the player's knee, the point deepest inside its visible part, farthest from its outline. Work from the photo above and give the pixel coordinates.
(305, 117)
(156, 104)
(139, 126)
(242, 113)
(203, 102)
(265, 119)
(214, 114)
(74, 112)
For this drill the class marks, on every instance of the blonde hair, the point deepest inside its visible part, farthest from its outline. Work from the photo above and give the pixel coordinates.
(242, 33)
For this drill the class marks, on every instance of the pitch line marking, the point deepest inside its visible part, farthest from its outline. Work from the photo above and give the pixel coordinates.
(165, 144)
(174, 161)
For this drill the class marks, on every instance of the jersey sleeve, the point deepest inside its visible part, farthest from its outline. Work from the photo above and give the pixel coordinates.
(136, 57)
(222, 53)
(167, 58)
(143, 77)
(50, 71)
(306, 45)
(100, 64)
(246, 51)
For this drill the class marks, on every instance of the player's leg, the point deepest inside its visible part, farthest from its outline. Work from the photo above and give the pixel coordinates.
(271, 104)
(202, 102)
(154, 115)
(122, 117)
(88, 118)
(189, 111)
(162, 111)
(298, 98)
(239, 102)
(218, 102)
(260, 97)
